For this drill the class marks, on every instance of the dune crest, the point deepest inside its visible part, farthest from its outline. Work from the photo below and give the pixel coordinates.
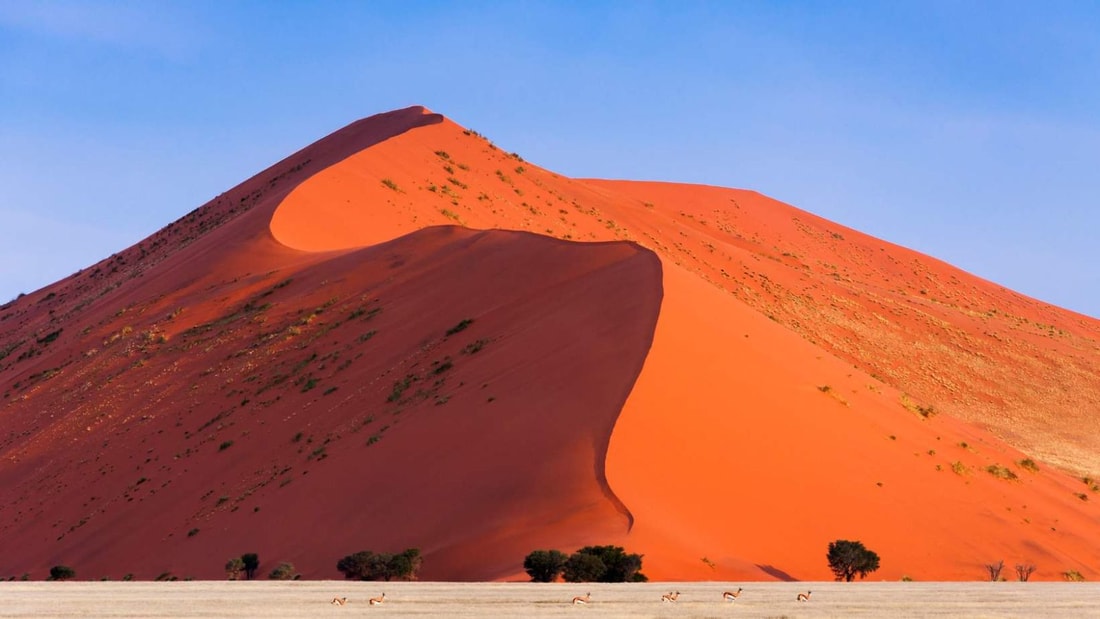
(485, 358)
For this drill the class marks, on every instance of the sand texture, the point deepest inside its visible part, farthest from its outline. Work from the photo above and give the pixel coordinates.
(405, 336)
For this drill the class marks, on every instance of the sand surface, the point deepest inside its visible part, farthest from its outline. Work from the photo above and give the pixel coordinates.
(707, 376)
(312, 599)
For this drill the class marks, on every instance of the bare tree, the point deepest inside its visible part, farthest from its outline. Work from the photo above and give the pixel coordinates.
(995, 570)
(1024, 571)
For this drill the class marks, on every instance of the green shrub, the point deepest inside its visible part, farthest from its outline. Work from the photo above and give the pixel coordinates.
(284, 571)
(367, 565)
(584, 568)
(233, 568)
(62, 572)
(604, 564)
(544, 565)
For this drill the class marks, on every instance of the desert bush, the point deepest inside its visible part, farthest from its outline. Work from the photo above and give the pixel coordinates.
(62, 572)
(544, 565)
(1073, 576)
(1002, 472)
(367, 565)
(848, 558)
(604, 564)
(233, 568)
(284, 571)
(461, 326)
(1029, 465)
(1024, 571)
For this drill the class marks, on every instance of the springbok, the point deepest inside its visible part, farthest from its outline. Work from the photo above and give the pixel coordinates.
(730, 596)
(339, 601)
(804, 597)
(377, 600)
(670, 597)
(582, 599)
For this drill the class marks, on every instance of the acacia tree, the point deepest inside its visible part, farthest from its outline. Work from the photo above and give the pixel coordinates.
(251, 562)
(848, 558)
(544, 565)
(583, 567)
(994, 570)
(367, 565)
(604, 564)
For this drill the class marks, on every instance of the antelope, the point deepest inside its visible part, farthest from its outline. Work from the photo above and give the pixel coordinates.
(339, 601)
(730, 596)
(377, 600)
(670, 597)
(804, 597)
(582, 599)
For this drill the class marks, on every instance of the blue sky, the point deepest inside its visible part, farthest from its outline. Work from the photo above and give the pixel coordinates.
(969, 131)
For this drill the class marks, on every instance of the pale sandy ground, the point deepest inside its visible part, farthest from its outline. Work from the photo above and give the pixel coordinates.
(311, 599)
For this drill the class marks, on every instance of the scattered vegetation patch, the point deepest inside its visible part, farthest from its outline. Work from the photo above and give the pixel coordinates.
(225, 445)
(958, 467)
(49, 337)
(461, 326)
(1002, 472)
(473, 347)
(1028, 465)
(399, 387)
(389, 183)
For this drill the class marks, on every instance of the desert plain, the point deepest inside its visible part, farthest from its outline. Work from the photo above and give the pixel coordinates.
(445, 599)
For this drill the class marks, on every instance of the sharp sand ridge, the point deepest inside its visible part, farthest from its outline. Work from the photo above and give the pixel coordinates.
(405, 336)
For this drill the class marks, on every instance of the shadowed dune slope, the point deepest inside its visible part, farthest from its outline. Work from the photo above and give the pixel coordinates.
(329, 410)
(736, 386)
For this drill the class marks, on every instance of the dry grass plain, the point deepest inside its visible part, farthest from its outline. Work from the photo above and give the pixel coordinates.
(433, 599)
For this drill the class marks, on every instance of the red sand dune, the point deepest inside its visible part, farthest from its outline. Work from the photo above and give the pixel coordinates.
(740, 382)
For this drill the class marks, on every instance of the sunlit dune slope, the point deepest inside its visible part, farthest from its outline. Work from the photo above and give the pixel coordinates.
(949, 341)
(735, 387)
(744, 450)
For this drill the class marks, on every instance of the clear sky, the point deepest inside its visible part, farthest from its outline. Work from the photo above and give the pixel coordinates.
(969, 131)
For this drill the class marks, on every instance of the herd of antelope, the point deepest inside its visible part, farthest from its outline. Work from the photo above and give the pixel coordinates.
(671, 596)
